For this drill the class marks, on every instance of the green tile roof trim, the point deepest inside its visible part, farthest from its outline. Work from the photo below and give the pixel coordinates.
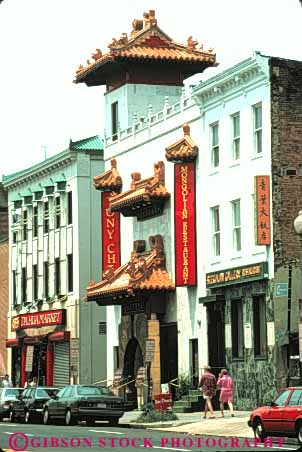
(26, 193)
(36, 188)
(59, 178)
(16, 198)
(48, 183)
(91, 144)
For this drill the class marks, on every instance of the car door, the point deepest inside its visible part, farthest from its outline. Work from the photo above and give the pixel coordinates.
(30, 399)
(292, 410)
(19, 405)
(53, 404)
(63, 401)
(273, 419)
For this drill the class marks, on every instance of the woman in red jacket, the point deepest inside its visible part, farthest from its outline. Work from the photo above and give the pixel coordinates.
(225, 383)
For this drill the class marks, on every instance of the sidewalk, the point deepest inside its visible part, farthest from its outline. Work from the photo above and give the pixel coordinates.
(193, 423)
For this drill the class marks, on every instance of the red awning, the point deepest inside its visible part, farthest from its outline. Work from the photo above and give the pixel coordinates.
(60, 336)
(12, 342)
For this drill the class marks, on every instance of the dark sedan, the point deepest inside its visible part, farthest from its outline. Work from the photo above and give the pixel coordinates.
(86, 403)
(7, 397)
(29, 407)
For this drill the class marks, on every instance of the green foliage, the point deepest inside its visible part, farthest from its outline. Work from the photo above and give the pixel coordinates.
(149, 414)
(184, 385)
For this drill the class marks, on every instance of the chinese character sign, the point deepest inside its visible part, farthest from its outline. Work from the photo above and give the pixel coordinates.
(110, 235)
(185, 237)
(262, 210)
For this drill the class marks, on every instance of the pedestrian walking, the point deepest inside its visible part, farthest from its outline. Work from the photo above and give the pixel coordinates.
(6, 383)
(225, 383)
(207, 384)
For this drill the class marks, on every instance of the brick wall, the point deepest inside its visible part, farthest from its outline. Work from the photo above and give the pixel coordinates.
(286, 118)
(3, 304)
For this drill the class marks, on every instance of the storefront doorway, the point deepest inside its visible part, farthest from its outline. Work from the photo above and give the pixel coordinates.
(132, 361)
(216, 336)
(168, 352)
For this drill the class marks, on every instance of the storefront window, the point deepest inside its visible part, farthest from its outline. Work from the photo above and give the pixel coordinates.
(237, 329)
(259, 317)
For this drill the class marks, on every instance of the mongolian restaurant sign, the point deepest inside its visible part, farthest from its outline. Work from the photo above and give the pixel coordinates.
(237, 275)
(110, 235)
(39, 319)
(185, 237)
(262, 210)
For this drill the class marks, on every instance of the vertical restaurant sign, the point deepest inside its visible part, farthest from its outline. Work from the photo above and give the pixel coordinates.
(262, 210)
(110, 235)
(185, 234)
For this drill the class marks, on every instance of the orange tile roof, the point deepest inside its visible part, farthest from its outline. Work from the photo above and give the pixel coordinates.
(146, 271)
(147, 41)
(141, 193)
(109, 180)
(184, 150)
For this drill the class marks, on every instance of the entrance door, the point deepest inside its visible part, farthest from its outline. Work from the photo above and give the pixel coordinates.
(168, 352)
(216, 339)
(132, 361)
(194, 361)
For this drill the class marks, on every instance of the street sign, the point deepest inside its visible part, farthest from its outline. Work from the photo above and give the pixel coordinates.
(281, 290)
(150, 347)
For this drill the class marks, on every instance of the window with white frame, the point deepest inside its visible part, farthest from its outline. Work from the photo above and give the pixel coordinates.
(236, 225)
(215, 230)
(236, 136)
(215, 145)
(257, 120)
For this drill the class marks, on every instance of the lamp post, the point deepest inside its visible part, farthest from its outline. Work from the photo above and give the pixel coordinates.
(298, 229)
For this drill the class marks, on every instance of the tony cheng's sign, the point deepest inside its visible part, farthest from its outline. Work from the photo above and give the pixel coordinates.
(237, 275)
(39, 319)
(110, 235)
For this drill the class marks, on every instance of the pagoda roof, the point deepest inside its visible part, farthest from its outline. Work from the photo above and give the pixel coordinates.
(146, 42)
(142, 194)
(145, 272)
(109, 180)
(183, 150)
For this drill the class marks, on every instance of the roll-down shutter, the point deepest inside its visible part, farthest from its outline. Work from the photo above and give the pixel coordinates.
(61, 364)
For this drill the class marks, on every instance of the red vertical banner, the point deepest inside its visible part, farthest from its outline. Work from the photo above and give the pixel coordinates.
(111, 256)
(262, 210)
(185, 230)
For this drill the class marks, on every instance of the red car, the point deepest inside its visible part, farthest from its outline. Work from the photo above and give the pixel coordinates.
(282, 418)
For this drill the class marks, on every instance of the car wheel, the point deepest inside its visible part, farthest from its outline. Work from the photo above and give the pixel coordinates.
(259, 431)
(299, 432)
(27, 417)
(113, 421)
(46, 417)
(69, 420)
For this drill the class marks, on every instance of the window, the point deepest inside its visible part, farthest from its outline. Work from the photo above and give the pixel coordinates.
(236, 225)
(259, 320)
(102, 328)
(15, 235)
(46, 217)
(35, 282)
(114, 120)
(69, 207)
(14, 294)
(215, 231)
(46, 280)
(257, 119)
(237, 329)
(215, 145)
(24, 225)
(24, 285)
(70, 272)
(236, 136)
(296, 398)
(57, 277)
(282, 398)
(58, 212)
(116, 357)
(35, 221)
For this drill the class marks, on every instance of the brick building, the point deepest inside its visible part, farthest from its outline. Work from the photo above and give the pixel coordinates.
(3, 278)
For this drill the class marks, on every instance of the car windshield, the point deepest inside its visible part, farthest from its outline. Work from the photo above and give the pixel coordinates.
(90, 390)
(46, 392)
(12, 392)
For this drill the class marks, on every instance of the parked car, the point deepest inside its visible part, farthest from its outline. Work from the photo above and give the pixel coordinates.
(283, 417)
(7, 397)
(29, 407)
(84, 402)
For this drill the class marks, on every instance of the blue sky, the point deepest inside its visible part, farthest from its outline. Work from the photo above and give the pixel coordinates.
(43, 41)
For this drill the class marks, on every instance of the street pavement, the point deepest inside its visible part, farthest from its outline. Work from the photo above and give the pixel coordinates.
(197, 435)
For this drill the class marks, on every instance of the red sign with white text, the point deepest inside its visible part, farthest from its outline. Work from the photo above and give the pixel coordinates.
(38, 319)
(185, 236)
(110, 235)
(262, 204)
